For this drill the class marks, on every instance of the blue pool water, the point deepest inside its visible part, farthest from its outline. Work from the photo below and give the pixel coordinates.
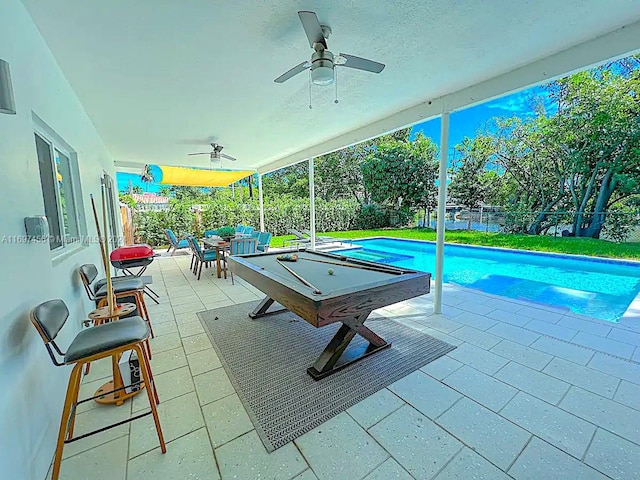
(595, 287)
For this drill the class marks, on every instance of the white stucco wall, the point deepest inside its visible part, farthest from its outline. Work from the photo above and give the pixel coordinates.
(32, 389)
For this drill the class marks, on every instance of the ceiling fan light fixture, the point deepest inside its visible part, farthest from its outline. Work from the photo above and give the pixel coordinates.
(322, 75)
(322, 67)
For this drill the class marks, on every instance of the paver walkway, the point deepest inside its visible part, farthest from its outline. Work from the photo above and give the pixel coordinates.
(530, 393)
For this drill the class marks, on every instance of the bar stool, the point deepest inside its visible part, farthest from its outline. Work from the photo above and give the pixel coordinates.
(90, 345)
(122, 287)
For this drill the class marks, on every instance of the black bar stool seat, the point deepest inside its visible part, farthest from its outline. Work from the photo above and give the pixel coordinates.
(103, 281)
(121, 286)
(92, 341)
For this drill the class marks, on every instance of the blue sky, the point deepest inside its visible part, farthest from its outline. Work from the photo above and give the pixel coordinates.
(468, 122)
(465, 123)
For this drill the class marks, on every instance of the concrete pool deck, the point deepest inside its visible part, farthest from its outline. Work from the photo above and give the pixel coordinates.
(530, 392)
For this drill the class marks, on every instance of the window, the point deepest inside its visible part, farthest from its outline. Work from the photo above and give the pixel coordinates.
(58, 177)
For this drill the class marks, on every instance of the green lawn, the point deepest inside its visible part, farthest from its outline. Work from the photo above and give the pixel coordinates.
(578, 246)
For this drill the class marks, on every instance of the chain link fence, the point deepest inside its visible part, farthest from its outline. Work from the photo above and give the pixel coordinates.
(618, 226)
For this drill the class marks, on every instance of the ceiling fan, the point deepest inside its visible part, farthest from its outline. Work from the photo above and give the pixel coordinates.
(215, 154)
(323, 62)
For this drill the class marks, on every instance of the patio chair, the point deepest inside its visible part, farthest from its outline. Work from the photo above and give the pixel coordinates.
(299, 240)
(263, 241)
(247, 231)
(240, 228)
(321, 238)
(239, 246)
(89, 345)
(299, 235)
(174, 242)
(201, 257)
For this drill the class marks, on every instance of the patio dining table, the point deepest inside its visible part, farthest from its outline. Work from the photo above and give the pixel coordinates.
(220, 246)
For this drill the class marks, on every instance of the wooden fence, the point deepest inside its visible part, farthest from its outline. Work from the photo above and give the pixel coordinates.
(127, 225)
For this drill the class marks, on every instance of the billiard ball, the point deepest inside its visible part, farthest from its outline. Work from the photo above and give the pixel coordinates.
(330, 271)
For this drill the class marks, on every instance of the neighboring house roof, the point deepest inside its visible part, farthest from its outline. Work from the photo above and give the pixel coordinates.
(150, 198)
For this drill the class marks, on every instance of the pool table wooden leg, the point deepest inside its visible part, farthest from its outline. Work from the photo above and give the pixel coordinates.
(325, 365)
(263, 306)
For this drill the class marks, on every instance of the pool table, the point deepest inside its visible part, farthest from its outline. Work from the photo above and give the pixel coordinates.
(347, 294)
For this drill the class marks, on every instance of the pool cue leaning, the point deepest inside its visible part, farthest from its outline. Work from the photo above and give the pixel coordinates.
(315, 290)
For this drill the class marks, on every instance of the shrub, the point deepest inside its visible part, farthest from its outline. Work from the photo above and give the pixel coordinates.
(226, 232)
(280, 215)
(620, 222)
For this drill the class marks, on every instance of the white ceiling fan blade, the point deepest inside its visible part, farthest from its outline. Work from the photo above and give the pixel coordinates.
(224, 155)
(199, 153)
(312, 28)
(292, 72)
(360, 63)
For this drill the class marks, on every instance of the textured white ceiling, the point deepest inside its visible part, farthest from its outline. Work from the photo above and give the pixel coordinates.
(158, 77)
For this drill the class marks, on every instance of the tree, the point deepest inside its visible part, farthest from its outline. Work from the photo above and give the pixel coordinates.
(164, 191)
(127, 199)
(136, 189)
(471, 183)
(337, 174)
(583, 158)
(402, 174)
(534, 174)
(291, 181)
(597, 127)
(189, 195)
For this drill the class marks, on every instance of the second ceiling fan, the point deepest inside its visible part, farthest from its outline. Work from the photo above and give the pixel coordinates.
(216, 154)
(323, 62)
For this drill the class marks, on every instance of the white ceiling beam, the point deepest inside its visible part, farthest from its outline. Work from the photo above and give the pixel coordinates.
(617, 44)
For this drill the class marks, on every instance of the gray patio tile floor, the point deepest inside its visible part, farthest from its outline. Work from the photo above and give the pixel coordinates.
(531, 392)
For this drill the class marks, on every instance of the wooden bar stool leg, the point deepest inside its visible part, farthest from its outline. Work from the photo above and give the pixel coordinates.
(144, 370)
(148, 349)
(74, 380)
(153, 383)
(146, 316)
(76, 391)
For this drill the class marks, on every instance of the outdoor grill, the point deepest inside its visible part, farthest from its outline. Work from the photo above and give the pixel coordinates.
(135, 256)
(132, 256)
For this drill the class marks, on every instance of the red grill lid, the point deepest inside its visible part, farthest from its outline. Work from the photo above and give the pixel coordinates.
(131, 252)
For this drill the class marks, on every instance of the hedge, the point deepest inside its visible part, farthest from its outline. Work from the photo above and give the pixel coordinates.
(279, 217)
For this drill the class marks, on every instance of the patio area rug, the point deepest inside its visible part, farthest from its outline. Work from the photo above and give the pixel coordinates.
(267, 360)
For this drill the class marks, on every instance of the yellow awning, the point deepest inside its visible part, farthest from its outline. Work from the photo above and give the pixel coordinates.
(201, 178)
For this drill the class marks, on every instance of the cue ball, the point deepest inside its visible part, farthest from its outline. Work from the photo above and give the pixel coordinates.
(330, 271)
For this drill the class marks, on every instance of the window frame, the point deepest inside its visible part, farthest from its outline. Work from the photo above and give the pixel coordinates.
(55, 143)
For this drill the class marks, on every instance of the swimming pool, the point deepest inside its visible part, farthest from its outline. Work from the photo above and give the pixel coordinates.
(596, 287)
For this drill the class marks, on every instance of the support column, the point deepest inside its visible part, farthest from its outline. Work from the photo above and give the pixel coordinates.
(261, 200)
(312, 203)
(442, 201)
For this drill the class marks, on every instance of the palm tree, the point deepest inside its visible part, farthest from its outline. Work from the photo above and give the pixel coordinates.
(147, 176)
